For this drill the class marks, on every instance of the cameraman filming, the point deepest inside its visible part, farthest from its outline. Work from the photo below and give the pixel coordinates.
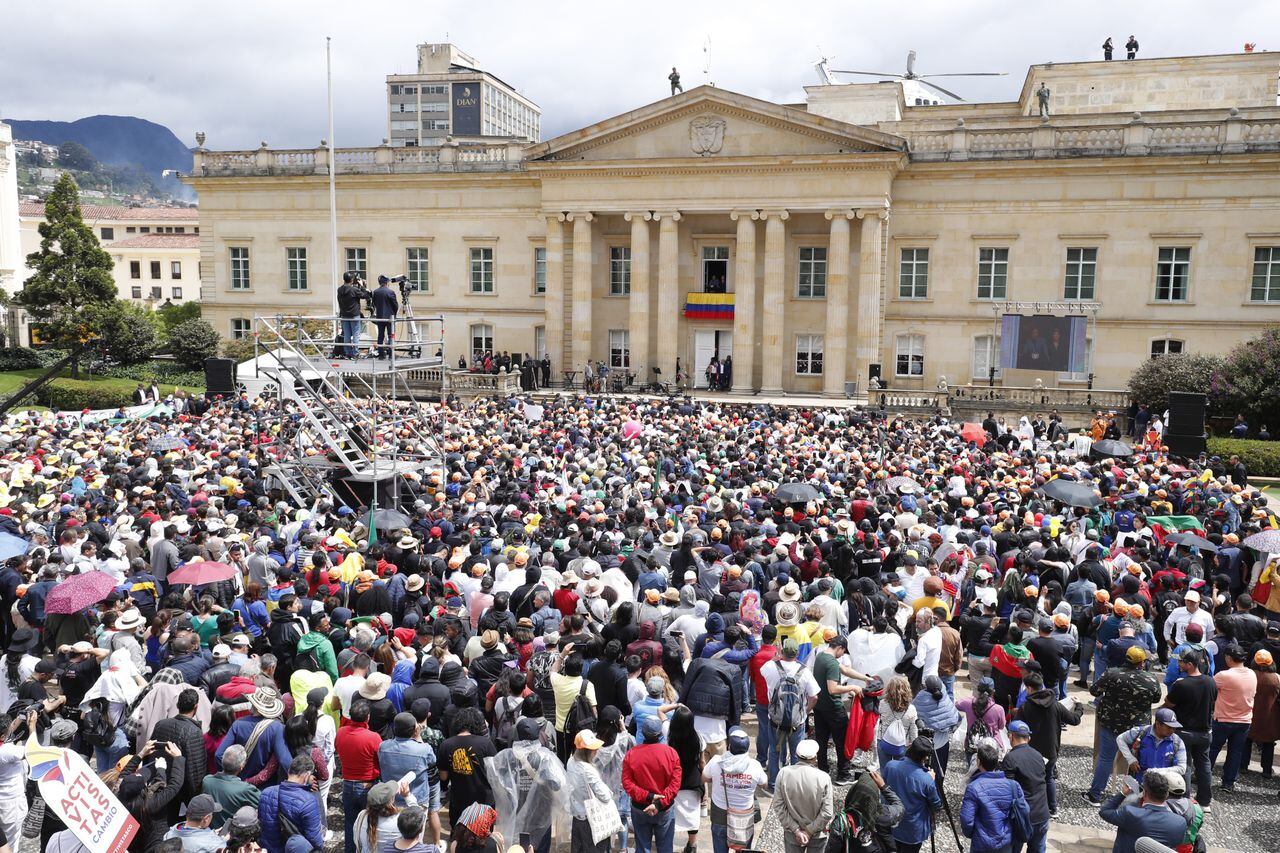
(385, 307)
(350, 294)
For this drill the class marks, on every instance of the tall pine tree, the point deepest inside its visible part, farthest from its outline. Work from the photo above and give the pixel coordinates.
(73, 280)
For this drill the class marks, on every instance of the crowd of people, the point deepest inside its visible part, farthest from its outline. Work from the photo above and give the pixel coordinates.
(618, 623)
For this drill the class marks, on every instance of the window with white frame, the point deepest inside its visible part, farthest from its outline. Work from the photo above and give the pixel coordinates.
(913, 274)
(482, 269)
(296, 264)
(715, 269)
(358, 261)
(1082, 268)
(481, 338)
(619, 348)
(812, 273)
(418, 267)
(909, 355)
(1266, 274)
(1165, 346)
(1173, 273)
(809, 355)
(539, 270)
(239, 328)
(135, 269)
(136, 292)
(619, 270)
(239, 267)
(540, 341)
(175, 269)
(993, 273)
(177, 292)
(986, 354)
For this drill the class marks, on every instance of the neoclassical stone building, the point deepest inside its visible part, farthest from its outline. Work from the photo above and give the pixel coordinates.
(813, 243)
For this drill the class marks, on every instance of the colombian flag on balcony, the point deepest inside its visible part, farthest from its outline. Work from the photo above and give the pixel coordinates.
(709, 306)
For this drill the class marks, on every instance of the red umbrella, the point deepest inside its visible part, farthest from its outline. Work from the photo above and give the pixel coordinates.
(973, 432)
(79, 592)
(207, 571)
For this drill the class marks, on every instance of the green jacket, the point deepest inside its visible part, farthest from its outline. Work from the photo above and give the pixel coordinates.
(323, 649)
(230, 792)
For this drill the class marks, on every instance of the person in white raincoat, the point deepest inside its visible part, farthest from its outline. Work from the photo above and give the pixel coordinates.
(530, 790)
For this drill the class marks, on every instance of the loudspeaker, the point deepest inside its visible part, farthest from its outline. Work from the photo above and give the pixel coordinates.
(1186, 414)
(1186, 446)
(220, 376)
(873, 371)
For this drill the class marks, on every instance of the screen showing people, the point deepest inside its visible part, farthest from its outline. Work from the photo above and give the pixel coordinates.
(1043, 342)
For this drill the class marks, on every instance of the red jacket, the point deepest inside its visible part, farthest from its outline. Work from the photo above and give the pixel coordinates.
(234, 692)
(357, 750)
(757, 662)
(651, 768)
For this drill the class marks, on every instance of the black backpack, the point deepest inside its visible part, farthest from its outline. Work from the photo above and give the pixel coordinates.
(581, 713)
(95, 725)
(307, 660)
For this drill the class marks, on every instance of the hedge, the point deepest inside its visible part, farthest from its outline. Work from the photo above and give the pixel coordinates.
(73, 395)
(1261, 458)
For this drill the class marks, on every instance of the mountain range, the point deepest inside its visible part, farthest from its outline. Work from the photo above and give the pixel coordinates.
(117, 140)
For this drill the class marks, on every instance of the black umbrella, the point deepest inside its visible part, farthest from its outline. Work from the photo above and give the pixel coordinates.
(1187, 539)
(390, 519)
(797, 493)
(1110, 449)
(1071, 493)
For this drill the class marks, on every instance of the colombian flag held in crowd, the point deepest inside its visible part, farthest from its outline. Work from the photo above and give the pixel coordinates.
(709, 306)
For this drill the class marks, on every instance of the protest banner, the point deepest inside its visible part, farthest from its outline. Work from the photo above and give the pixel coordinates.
(80, 798)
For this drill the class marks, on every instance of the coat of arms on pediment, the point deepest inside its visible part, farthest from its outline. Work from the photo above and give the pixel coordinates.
(706, 135)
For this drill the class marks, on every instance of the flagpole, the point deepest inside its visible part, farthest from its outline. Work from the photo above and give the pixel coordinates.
(333, 190)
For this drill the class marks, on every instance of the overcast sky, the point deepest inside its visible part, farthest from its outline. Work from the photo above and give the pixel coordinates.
(249, 72)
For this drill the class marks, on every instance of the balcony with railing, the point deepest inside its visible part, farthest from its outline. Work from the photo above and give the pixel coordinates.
(452, 156)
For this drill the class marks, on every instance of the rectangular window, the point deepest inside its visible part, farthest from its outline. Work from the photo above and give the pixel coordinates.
(155, 269)
(358, 262)
(539, 271)
(1165, 346)
(715, 269)
(812, 283)
(175, 269)
(239, 328)
(156, 293)
(177, 293)
(913, 274)
(296, 263)
(137, 293)
(909, 355)
(1173, 273)
(239, 267)
(993, 273)
(540, 341)
(144, 229)
(481, 269)
(1266, 274)
(809, 355)
(481, 339)
(418, 264)
(619, 270)
(986, 353)
(135, 269)
(108, 233)
(1082, 268)
(619, 348)
(129, 229)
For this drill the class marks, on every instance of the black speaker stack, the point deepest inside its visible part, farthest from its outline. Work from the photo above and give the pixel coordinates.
(219, 377)
(1184, 434)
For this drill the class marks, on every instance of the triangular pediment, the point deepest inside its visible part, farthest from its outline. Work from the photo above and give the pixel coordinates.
(707, 122)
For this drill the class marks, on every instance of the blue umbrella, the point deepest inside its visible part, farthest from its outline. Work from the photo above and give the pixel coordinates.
(12, 546)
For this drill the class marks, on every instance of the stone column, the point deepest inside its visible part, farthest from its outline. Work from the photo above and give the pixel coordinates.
(744, 302)
(581, 290)
(641, 357)
(869, 328)
(775, 297)
(553, 301)
(835, 356)
(666, 342)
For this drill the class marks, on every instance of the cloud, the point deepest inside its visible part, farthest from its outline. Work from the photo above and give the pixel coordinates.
(246, 73)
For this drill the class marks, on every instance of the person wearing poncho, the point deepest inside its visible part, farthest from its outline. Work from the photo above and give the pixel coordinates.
(529, 789)
(1007, 661)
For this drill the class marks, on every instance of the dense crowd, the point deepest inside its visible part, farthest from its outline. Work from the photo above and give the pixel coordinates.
(615, 623)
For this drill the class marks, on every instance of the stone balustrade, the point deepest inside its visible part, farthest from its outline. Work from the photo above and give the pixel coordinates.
(452, 156)
(1120, 136)
(466, 383)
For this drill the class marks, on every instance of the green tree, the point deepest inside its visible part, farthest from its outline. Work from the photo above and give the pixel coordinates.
(73, 155)
(1151, 383)
(73, 277)
(192, 342)
(172, 315)
(1248, 381)
(130, 334)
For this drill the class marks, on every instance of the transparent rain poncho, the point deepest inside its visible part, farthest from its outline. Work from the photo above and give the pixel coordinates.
(530, 791)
